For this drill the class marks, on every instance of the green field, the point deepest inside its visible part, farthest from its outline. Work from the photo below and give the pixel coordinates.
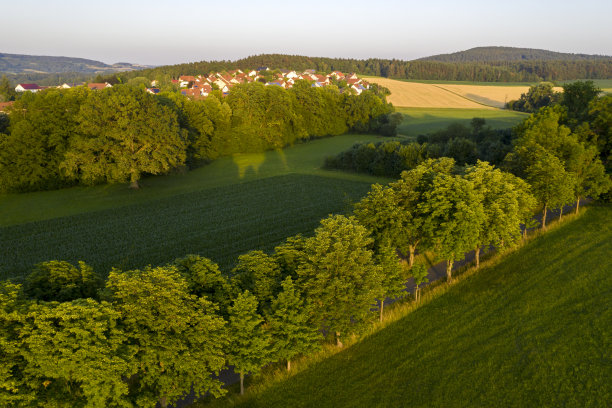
(233, 205)
(533, 331)
(424, 120)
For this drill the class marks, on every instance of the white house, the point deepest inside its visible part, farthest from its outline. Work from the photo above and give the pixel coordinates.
(27, 88)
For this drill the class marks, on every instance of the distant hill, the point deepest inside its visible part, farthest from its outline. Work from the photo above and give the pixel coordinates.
(490, 54)
(39, 64)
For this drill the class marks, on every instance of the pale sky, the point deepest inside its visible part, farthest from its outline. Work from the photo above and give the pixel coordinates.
(160, 32)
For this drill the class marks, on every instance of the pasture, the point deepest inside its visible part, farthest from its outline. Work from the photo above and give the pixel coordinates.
(424, 120)
(531, 330)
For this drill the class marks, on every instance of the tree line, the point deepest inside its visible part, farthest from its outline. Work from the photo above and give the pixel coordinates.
(152, 335)
(59, 138)
(577, 131)
(464, 144)
(490, 71)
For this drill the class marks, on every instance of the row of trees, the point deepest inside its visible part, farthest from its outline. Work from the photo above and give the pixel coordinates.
(150, 336)
(58, 137)
(464, 144)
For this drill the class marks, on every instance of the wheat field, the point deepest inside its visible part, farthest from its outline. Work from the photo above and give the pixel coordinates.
(420, 95)
(416, 95)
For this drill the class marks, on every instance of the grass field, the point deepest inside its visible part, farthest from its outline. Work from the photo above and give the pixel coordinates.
(532, 331)
(424, 120)
(220, 223)
(234, 205)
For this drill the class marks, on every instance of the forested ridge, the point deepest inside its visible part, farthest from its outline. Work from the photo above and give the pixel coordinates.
(484, 64)
(491, 71)
(491, 54)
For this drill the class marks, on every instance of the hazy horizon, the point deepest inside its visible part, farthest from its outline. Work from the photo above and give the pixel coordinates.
(161, 33)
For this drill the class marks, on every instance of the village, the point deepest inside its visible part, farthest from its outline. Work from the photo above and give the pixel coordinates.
(197, 87)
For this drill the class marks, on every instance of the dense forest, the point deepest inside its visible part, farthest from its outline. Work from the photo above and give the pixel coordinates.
(58, 138)
(491, 54)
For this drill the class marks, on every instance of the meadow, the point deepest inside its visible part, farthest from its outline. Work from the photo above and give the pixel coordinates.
(531, 329)
(424, 120)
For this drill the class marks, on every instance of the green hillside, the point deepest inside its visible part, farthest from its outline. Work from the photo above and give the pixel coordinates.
(533, 331)
(18, 63)
(488, 54)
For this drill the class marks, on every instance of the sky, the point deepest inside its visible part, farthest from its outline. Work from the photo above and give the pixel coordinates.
(161, 32)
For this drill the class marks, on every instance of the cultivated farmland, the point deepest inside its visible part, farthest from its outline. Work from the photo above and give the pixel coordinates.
(418, 95)
(450, 95)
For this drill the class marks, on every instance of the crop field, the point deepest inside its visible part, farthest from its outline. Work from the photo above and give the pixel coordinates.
(419, 95)
(222, 210)
(424, 120)
(451, 94)
(495, 96)
(532, 331)
(219, 223)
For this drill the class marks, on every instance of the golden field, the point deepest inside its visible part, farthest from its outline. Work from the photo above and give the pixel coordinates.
(418, 95)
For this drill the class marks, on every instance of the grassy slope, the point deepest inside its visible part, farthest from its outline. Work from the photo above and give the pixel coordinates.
(423, 120)
(533, 331)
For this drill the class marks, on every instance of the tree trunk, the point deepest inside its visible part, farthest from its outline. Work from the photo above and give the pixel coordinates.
(416, 294)
(560, 213)
(134, 180)
(338, 342)
(525, 232)
(382, 305)
(288, 365)
(241, 384)
(411, 248)
(544, 217)
(449, 271)
(163, 402)
(577, 204)
(477, 255)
